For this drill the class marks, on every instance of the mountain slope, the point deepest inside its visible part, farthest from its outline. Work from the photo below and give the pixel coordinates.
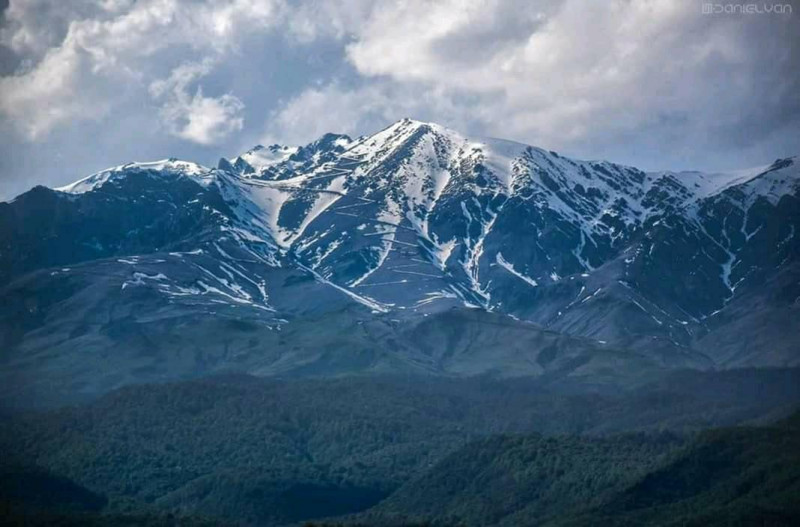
(330, 258)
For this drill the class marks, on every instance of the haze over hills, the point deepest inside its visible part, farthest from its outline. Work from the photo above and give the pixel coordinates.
(415, 250)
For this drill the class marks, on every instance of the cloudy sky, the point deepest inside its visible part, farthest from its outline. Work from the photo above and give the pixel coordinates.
(86, 84)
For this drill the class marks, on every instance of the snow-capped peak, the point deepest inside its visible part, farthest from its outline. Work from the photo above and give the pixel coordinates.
(171, 165)
(468, 219)
(261, 157)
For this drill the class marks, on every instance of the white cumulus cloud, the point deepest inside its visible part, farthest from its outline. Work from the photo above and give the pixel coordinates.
(583, 75)
(654, 83)
(81, 58)
(191, 115)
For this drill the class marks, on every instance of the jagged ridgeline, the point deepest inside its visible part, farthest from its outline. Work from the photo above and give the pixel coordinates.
(413, 250)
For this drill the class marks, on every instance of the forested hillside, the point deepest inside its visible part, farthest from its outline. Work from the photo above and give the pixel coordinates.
(732, 476)
(271, 452)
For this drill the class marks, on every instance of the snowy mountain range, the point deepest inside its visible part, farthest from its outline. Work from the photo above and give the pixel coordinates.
(414, 250)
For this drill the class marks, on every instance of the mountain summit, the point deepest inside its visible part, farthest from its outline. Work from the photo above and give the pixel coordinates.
(413, 249)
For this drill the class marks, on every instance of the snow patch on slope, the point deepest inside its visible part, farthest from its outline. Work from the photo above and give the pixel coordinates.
(502, 262)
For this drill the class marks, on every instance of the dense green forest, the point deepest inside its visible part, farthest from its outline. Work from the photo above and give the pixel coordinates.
(248, 451)
(733, 476)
